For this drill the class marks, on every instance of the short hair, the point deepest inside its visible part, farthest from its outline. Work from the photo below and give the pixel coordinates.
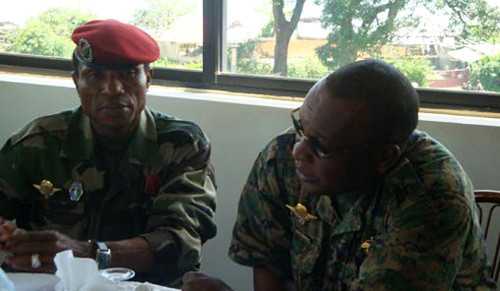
(393, 102)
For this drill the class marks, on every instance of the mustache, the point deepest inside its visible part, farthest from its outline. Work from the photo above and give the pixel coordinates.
(115, 104)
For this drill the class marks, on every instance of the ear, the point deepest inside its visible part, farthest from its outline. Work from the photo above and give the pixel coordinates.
(149, 77)
(389, 157)
(75, 78)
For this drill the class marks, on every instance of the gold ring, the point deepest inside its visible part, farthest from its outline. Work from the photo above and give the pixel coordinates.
(35, 261)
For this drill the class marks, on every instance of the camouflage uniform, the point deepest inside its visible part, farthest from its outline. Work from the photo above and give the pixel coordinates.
(419, 228)
(160, 187)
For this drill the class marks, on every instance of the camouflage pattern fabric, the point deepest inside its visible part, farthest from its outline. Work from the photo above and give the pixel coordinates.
(161, 187)
(418, 230)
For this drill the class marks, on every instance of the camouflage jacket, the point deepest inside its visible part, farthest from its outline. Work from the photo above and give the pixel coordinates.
(161, 187)
(418, 230)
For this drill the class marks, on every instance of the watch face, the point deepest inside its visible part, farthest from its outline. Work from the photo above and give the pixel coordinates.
(117, 274)
(103, 258)
(102, 246)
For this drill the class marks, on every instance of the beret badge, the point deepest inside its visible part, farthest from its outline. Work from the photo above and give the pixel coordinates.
(85, 51)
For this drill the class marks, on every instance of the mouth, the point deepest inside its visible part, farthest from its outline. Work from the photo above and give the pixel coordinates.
(306, 178)
(113, 107)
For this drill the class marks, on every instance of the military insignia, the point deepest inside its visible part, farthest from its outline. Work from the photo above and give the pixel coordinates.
(46, 188)
(75, 191)
(152, 184)
(300, 211)
(366, 245)
(85, 50)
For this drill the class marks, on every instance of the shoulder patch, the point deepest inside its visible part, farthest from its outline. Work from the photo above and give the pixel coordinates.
(173, 130)
(280, 145)
(42, 125)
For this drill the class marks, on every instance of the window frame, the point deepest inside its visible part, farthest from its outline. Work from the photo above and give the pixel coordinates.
(213, 76)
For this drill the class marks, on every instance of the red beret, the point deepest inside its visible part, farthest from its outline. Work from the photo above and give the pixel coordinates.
(113, 43)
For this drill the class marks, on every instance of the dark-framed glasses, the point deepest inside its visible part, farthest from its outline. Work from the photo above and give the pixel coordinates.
(318, 149)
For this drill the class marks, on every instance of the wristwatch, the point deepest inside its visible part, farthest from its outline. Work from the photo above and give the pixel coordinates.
(102, 255)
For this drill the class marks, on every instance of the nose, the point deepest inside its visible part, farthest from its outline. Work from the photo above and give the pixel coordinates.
(302, 150)
(111, 84)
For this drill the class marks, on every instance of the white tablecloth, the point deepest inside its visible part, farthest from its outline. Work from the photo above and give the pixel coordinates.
(33, 282)
(47, 282)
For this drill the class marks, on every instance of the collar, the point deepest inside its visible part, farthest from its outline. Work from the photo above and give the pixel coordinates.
(79, 142)
(351, 209)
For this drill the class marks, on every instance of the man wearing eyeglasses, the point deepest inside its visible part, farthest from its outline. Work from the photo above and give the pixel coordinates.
(353, 197)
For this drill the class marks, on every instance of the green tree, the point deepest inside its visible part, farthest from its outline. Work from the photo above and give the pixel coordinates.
(417, 70)
(474, 20)
(358, 26)
(486, 72)
(48, 34)
(364, 26)
(159, 15)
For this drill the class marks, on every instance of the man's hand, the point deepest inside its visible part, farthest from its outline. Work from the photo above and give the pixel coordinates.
(46, 244)
(196, 281)
(7, 229)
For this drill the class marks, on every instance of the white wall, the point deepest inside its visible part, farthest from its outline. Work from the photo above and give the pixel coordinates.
(238, 129)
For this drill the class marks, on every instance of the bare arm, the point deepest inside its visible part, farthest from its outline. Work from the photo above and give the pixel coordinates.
(134, 253)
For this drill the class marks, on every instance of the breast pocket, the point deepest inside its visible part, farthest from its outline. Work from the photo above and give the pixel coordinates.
(59, 209)
(306, 246)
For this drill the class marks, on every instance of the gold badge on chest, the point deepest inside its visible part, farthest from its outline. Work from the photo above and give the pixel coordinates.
(46, 188)
(301, 213)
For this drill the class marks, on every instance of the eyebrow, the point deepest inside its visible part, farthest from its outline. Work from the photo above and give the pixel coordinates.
(315, 132)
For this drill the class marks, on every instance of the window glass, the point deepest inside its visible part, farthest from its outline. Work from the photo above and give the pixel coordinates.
(43, 28)
(437, 44)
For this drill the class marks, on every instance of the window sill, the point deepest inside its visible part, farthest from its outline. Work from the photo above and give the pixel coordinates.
(61, 79)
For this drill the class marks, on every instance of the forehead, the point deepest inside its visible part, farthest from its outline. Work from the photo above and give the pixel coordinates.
(333, 117)
(105, 68)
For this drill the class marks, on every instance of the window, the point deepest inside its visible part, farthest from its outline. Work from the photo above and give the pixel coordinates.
(450, 50)
(43, 28)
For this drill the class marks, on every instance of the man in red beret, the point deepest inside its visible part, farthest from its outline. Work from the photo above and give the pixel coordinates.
(111, 179)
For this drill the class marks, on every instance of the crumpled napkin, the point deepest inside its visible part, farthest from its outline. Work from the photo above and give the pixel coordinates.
(146, 286)
(79, 274)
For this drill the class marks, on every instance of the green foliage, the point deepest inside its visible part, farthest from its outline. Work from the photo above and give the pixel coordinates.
(309, 68)
(163, 62)
(246, 49)
(253, 67)
(48, 34)
(486, 72)
(357, 26)
(159, 15)
(474, 20)
(246, 62)
(268, 29)
(363, 27)
(417, 70)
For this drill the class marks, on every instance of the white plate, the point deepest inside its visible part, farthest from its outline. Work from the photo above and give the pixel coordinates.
(117, 274)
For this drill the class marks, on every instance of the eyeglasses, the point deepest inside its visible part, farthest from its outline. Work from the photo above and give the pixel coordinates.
(319, 150)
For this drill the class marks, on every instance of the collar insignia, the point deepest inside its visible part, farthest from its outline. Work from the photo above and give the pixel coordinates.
(366, 245)
(300, 212)
(46, 188)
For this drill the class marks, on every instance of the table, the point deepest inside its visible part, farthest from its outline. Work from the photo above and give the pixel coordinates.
(47, 282)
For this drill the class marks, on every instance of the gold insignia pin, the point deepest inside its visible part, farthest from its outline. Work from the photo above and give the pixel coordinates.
(46, 188)
(365, 246)
(301, 213)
